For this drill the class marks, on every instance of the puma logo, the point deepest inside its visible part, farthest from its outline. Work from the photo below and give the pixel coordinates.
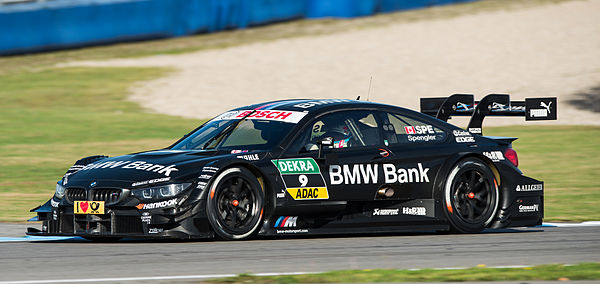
(546, 106)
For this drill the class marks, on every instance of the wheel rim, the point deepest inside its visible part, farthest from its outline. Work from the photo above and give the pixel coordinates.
(472, 196)
(236, 205)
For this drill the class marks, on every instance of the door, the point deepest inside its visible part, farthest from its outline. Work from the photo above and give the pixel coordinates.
(348, 170)
(419, 151)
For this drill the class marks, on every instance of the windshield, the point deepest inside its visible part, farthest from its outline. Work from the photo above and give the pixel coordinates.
(250, 134)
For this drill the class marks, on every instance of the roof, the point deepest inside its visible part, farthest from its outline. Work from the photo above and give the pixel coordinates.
(307, 104)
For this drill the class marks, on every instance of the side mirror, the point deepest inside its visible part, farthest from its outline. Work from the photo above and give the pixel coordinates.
(327, 141)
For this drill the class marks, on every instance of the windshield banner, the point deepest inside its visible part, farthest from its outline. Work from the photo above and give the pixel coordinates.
(274, 115)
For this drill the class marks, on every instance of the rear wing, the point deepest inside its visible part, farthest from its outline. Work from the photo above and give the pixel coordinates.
(491, 105)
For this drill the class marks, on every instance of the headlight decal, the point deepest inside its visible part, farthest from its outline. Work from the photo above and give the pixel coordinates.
(60, 190)
(160, 192)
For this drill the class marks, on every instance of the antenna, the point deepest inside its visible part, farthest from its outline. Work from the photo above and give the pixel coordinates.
(369, 92)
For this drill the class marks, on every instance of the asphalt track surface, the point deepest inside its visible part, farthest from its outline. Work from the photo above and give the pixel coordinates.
(80, 259)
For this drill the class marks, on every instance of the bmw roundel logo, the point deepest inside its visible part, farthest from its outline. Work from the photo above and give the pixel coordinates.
(92, 184)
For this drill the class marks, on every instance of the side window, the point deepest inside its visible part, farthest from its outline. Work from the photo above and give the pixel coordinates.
(399, 129)
(348, 129)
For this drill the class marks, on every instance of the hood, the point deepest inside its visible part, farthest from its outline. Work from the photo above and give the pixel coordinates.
(136, 169)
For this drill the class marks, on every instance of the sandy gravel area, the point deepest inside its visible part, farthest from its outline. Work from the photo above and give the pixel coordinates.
(550, 50)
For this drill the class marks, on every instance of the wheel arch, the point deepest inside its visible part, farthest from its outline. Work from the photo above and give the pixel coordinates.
(445, 170)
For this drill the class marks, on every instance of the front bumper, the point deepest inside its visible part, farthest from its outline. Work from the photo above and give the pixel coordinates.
(187, 221)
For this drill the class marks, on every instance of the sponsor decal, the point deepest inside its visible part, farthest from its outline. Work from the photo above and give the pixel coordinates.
(495, 156)
(369, 174)
(76, 168)
(88, 207)
(281, 195)
(310, 104)
(210, 169)
(151, 181)
(465, 139)
(341, 143)
(293, 231)
(475, 130)
(201, 185)
(155, 230)
(54, 203)
(460, 133)
(253, 157)
(529, 208)
(419, 138)
(530, 187)
(460, 107)
(206, 177)
(238, 151)
(304, 193)
(286, 222)
(417, 211)
(419, 129)
(302, 178)
(273, 115)
(146, 218)
(157, 205)
(544, 111)
(385, 212)
(462, 136)
(135, 165)
(297, 166)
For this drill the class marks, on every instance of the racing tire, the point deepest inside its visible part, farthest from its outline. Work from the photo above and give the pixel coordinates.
(471, 196)
(235, 204)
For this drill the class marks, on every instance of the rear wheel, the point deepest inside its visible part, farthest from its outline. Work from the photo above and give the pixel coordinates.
(471, 196)
(235, 204)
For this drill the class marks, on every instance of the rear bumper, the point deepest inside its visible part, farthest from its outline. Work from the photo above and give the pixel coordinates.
(521, 201)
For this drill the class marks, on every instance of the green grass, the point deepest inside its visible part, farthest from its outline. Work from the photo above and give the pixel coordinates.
(51, 118)
(299, 28)
(567, 159)
(583, 271)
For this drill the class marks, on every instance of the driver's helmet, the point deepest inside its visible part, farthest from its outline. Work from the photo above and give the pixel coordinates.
(336, 128)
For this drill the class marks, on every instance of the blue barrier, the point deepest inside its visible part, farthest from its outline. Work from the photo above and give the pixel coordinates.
(59, 24)
(340, 8)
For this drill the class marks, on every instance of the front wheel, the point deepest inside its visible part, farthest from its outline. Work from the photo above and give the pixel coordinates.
(471, 196)
(235, 204)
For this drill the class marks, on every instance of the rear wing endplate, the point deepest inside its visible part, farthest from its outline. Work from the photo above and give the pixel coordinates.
(491, 105)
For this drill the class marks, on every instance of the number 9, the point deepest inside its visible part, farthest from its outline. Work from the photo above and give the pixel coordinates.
(303, 179)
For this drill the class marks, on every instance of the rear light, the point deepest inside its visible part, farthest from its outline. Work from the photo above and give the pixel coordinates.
(511, 155)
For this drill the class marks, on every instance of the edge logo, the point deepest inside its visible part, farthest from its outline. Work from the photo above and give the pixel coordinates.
(286, 222)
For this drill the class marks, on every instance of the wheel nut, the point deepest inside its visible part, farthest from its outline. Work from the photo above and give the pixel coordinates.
(235, 203)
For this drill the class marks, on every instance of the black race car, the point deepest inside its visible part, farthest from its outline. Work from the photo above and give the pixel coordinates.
(330, 166)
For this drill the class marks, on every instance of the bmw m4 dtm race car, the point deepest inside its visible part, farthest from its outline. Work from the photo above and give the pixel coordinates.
(309, 167)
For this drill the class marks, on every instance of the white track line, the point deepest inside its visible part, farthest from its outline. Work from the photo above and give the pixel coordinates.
(583, 224)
